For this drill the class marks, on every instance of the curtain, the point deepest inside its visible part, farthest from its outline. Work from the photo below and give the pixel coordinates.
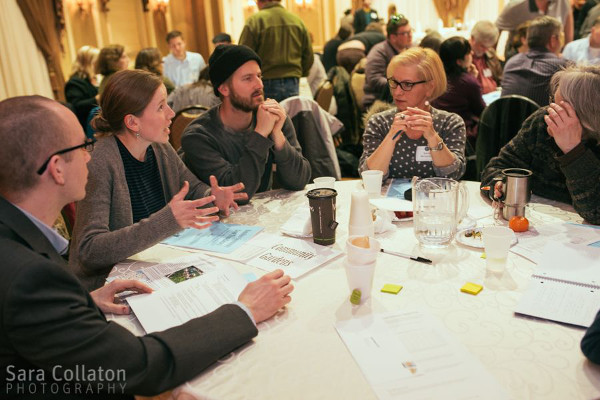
(23, 70)
(42, 20)
(450, 10)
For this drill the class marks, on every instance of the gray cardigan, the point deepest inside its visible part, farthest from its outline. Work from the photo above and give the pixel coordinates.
(104, 232)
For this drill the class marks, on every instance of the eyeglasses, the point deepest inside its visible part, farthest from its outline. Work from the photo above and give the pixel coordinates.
(407, 33)
(88, 146)
(404, 85)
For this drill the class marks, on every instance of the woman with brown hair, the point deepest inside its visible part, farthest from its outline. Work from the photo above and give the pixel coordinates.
(111, 59)
(81, 89)
(139, 192)
(149, 59)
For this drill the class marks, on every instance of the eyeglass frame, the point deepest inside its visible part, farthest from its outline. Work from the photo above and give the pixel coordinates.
(393, 84)
(88, 145)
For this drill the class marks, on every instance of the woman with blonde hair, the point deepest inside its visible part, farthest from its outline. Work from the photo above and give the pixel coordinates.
(81, 89)
(415, 139)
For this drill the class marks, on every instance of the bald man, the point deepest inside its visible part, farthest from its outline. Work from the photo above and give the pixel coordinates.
(54, 338)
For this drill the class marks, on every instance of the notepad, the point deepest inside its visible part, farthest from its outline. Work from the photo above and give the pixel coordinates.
(565, 286)
(390, 288)
(471, 288)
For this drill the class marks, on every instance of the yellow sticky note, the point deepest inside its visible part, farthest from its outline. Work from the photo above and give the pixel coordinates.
(471, 288)
(389, 288)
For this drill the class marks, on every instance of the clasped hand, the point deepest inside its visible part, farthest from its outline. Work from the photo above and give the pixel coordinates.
(270, 118)
(414, 122)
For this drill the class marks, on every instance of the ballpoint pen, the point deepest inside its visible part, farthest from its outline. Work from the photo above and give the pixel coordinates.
(400, 132)
(418, 259)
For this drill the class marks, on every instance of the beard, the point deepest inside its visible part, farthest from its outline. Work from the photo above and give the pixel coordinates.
(246, 104)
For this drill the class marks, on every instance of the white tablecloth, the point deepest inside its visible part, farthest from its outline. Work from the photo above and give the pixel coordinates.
(298, 354)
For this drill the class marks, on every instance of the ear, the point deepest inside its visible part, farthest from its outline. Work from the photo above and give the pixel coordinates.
(224, 89)
(430, 89)
(56, 168)
(131, 122)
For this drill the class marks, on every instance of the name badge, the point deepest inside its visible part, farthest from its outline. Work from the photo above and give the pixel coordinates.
(422, 154)
(487, 73)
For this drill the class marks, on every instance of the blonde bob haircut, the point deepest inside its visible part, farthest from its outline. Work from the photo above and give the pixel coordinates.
(429, 65)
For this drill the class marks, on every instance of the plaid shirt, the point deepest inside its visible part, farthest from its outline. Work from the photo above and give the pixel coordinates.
(571, 178)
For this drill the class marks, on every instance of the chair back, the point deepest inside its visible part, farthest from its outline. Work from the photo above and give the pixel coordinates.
(324, 95)
(315, 128)
(181, 120)
(499, 123)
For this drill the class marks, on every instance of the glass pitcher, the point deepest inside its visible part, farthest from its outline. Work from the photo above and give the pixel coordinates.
(439, 204)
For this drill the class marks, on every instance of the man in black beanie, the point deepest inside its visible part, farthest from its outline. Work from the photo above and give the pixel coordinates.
(240, 139)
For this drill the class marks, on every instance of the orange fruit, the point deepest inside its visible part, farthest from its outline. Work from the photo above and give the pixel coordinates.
(518, 224)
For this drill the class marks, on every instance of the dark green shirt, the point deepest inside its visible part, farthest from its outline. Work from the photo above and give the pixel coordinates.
(281, 41)
(571, 178)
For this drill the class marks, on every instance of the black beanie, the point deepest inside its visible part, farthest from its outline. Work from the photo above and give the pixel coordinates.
(225, 60)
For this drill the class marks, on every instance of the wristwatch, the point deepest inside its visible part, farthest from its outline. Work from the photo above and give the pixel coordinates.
(439, 146)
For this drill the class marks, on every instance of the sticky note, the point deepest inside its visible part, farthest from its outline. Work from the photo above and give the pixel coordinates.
(471, 288)
(355, 297)
(390, 288)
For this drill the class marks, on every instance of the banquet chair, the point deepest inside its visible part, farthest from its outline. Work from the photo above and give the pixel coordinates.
(315, 129)
(181, 120)
(324, 94)
(499, 123)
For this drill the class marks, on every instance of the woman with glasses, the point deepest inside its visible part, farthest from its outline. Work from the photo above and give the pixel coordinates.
(139, 192)
(415, 139)
(464, 91)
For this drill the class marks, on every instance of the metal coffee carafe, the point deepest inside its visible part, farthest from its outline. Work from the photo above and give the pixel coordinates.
(516, 191)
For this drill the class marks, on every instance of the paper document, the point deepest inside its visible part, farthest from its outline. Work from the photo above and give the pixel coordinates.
(531, 243)
(565, 286)
(397, 188)
(219, 237)
(160, 275)
(192, 298)
(411, 355)
(295, 257)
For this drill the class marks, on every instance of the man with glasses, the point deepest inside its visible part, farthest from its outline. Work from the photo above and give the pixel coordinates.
(528, 74)
(399, 38)
(51, 327)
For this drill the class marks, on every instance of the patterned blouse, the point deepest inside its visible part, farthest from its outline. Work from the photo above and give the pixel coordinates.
(449, 126)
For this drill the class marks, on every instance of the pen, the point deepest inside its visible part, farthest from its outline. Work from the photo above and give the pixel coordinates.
(397, 134)
(418, 259)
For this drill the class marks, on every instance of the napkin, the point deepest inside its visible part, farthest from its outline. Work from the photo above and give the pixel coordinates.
(383, 221)
(299, 223)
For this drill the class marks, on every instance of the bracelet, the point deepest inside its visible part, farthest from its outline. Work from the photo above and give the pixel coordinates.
(439, 146)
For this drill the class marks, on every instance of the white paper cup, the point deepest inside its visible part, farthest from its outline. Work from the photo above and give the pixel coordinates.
(496, 241)
(372, 181)
(360, 255)
(360, 277)
(361, 220)
(324, 182)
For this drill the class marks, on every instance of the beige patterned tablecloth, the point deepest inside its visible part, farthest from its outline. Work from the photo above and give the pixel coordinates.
(298, 354)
